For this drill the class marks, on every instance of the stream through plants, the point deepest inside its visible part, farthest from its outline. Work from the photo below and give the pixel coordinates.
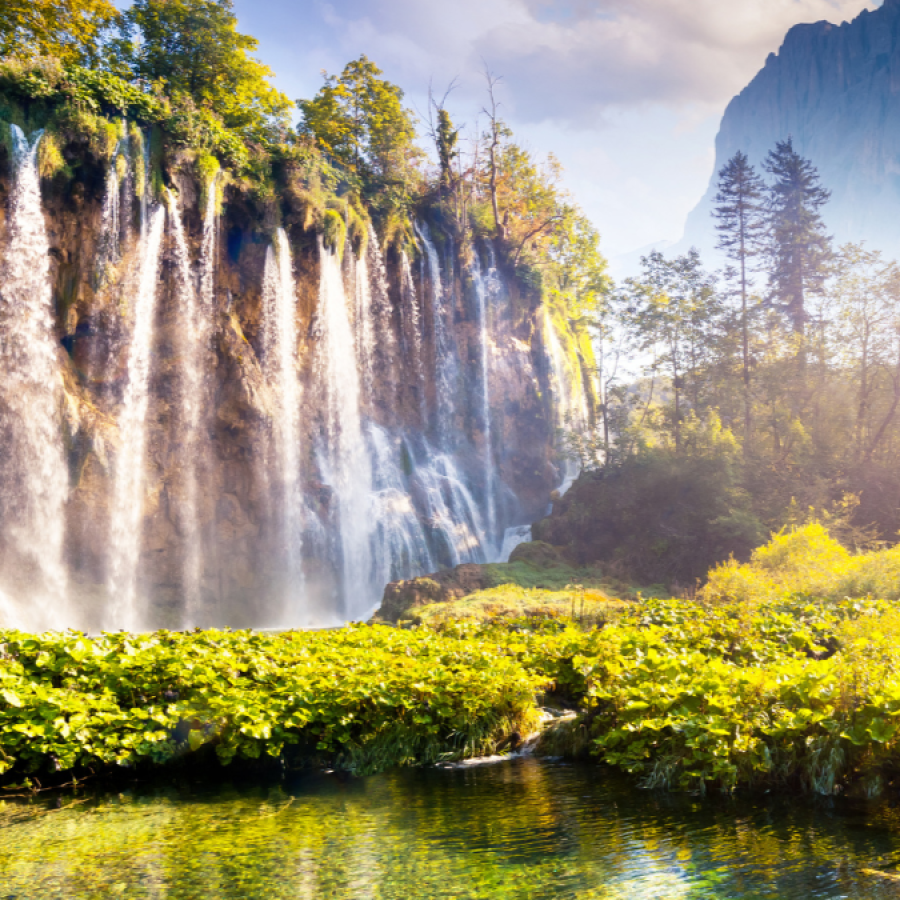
(523, 829)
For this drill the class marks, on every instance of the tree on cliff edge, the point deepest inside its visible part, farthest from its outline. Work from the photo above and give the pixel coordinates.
(800, 248)
(195, 49)
(359, 121)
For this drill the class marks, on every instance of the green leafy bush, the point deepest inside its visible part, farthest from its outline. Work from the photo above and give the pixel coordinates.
(362, 698)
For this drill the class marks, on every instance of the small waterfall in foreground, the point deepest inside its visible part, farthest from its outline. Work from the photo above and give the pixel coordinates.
(569, 402)
(195, 310)
(129, 488)
(345, 463)
(280, 363)
(33, 469)
(490, 475)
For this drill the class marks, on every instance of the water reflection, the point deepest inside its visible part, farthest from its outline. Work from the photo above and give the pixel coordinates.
(521, 829)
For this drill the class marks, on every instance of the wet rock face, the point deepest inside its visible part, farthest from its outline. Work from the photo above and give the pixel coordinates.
(835, 90)
(233, 507)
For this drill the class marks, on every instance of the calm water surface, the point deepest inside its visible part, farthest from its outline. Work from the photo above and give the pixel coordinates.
(521, 829)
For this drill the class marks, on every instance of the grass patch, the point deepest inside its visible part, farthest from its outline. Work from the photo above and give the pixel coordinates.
(507, 602)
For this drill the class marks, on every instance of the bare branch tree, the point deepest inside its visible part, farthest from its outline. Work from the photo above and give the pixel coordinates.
(496, 129)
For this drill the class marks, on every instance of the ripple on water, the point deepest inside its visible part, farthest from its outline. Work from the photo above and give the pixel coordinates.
(523, 829)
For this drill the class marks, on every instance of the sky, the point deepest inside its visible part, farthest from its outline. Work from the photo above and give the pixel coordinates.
(627, 94)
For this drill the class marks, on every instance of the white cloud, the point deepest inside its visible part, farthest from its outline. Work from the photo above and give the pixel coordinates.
(627, 93)
(625, 53)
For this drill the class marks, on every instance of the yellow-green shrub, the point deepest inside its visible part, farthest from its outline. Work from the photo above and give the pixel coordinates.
(808, 561)
(334, 232)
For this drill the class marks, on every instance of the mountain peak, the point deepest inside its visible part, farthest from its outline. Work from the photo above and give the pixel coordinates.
(836, 91)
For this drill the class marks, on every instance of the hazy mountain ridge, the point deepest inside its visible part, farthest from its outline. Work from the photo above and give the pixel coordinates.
(835, 89)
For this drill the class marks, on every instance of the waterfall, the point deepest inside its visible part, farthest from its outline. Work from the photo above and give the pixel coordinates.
(411, 325)
(280, 339)
(446, 363)
(400, 545)
(384, 336)
(485, 339)
(195, 310)
(129, 488)
(110, 223)
(569, 403)
(347, 467)
(34, 482)
(458, 531)
(364, 337)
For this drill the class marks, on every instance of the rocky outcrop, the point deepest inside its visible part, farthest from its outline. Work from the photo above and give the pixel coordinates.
(401, 597)
(835, 90)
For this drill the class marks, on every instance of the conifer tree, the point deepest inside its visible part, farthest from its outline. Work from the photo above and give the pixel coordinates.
(741, 222)
(800, 248)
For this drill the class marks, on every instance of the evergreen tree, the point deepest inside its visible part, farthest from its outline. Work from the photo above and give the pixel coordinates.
(800, 248)
(741, 223)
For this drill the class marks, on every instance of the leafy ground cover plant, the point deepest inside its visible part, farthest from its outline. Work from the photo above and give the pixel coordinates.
(362, 698)
(755, 682)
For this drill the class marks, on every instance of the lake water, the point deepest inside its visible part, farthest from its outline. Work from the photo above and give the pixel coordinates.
(522, 829)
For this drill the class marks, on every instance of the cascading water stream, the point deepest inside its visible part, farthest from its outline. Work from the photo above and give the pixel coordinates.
(346, 463)
(400, 545)
(380, 311)
(195, 309)
(33, 469)
(364, 332)
(446, 364)
(451, 511)
(490, 475)
(129, 487)
(110, 227)
(280, 339)
(411, 323)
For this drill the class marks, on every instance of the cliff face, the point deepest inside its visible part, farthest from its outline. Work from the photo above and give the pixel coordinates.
(834, 89)
(390, 380)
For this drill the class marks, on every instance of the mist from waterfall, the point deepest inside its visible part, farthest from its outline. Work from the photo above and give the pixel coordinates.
(280, 365)
(33, 469)
(131, 463)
